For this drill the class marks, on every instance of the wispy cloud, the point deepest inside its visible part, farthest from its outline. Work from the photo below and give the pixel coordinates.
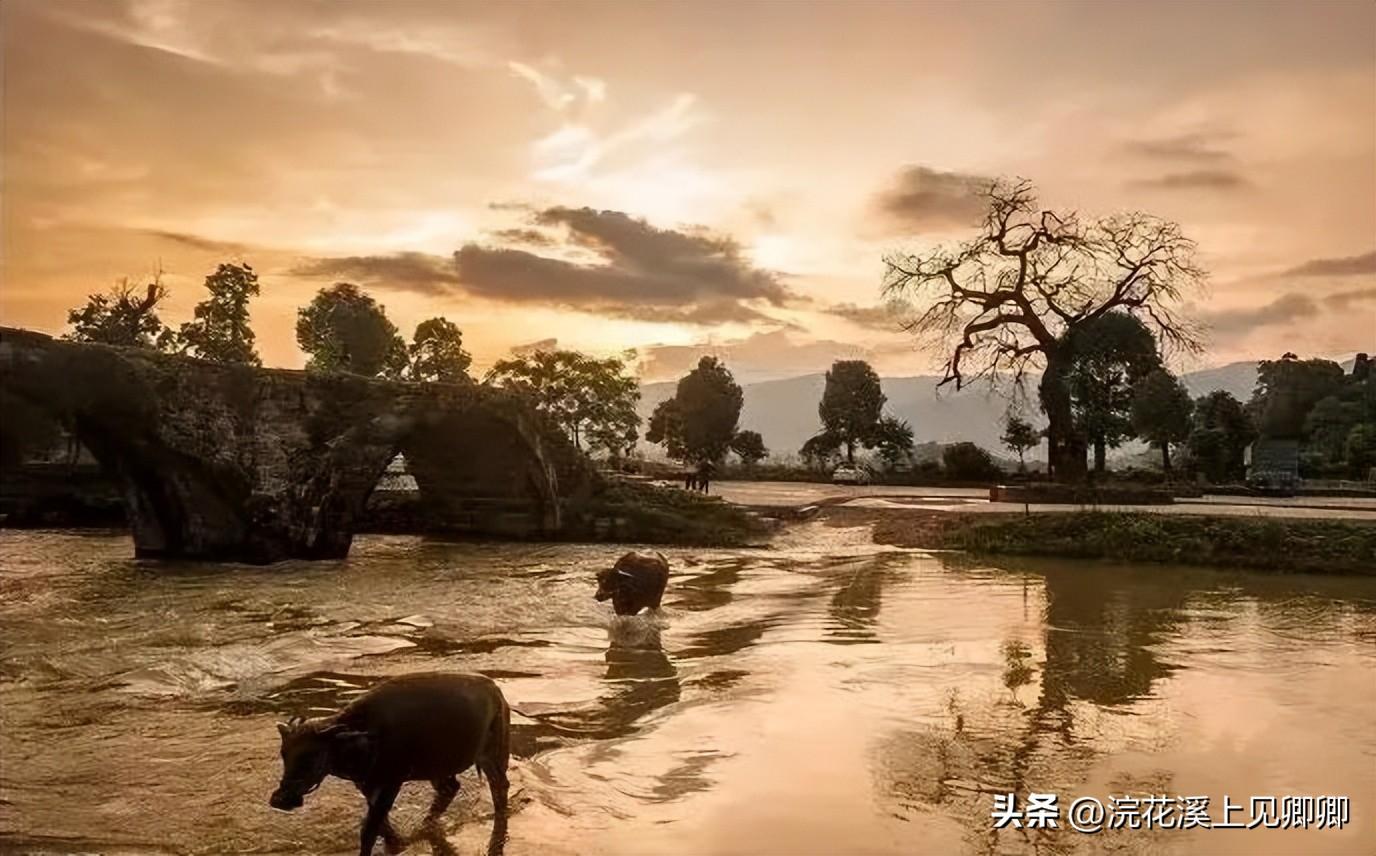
(417, 272)
(1283, 310)
(1197, 147)
(922, 197)
(881, 317)
(1344, 299)
(1345, 266)
(1197, 179)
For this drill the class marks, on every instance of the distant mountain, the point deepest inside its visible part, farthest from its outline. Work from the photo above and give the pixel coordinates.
(785, 411)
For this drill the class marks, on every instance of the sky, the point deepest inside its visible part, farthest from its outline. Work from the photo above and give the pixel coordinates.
(678, 178)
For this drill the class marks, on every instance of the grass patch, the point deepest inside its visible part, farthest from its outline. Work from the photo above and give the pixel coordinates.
(646, 513)
(1256, 543)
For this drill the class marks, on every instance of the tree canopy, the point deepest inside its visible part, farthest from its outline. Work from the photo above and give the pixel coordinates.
(1107, 355)
(892, 439)
(852, 405)
(220, 330)
(699, 423)
(1161, 408)
(345, 330)
(125, 315)
(1007, 301)
(436, 353)
(593, 400)
(1287, 389)
(968, 462)
(1220, 432)
(1019, 436)
(749, 447)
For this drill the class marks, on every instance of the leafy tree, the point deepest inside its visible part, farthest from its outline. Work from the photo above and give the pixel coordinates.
(345, 330)
(821, 451)
(1287, 389)
(666, 429)
(1328, 424)
(749, 447)
(1219, 435)
(124, 316)
(1108, 354)
(593, 400)
(1361, 449)
(436, 353)
(968, 462)
(852, 404)
(893, 440)
(220, 330)
(1019, 436)
(1161, 408)
(698, 424)
(1009, 300)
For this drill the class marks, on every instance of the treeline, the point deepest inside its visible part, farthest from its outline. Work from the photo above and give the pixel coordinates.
(343, 329)
(1110, 385)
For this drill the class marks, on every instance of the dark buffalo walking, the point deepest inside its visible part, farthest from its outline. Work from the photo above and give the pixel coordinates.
(422, 727)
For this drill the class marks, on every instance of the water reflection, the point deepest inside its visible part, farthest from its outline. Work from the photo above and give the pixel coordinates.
(827, 696)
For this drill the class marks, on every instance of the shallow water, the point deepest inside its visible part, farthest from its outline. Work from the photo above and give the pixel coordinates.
(825, 696)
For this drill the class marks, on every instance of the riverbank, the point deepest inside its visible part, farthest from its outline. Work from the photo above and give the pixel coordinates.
(1264, 544)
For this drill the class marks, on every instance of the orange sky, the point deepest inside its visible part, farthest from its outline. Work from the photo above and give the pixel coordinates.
(734, 160)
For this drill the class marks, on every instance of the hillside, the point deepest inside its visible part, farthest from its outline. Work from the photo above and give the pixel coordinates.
(785, 411)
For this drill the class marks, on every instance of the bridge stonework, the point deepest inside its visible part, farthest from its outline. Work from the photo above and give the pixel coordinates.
(238, 463)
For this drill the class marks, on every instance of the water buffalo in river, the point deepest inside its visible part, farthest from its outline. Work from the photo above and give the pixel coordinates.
(421, 727)
(634, 583)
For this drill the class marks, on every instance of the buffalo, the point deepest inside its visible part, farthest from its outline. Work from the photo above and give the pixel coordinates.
(420, 727)
(634, 583)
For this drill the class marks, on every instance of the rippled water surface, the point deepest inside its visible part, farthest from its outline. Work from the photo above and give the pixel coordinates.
(825, 696)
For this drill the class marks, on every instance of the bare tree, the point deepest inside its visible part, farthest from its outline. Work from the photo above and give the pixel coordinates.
(1003, 303)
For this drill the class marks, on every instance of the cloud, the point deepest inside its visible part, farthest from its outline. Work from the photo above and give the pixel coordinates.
(196, 242)
(550, 344)
(573, 151)
(884, 317)
(1343, 299)
(417, 272)
(1283, 310)
(927, 198)
(1347, 266)
(530, 237)
(1198, 148)
(640, 271)
(760, 356)
(1197, 179)
(561, 95)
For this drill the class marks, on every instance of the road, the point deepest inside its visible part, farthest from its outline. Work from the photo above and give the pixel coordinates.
(796, 494)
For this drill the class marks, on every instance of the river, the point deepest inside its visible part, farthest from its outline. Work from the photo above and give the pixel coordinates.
(825, 696)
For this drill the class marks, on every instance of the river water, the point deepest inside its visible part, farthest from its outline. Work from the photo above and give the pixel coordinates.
(825, 696)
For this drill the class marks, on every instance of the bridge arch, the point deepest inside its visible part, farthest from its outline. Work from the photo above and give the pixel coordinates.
(233, 462)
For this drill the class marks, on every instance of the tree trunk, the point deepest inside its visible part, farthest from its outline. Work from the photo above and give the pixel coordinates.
(1166, 457)
(1100, 453)
(850, 453)
(1065, 446)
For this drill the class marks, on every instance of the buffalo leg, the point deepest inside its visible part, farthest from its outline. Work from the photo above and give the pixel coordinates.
(379, 804)
(446, 788)
(392, 840)
(497, 782)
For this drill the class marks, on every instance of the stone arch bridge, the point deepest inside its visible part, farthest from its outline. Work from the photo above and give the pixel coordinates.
(245, 464)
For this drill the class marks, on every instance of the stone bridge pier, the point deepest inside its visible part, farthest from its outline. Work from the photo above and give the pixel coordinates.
(257, 465)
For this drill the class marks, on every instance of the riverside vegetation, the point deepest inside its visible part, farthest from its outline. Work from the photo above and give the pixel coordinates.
(1253, 543)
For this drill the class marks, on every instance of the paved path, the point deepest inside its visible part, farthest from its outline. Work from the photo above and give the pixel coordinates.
(795, 494)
